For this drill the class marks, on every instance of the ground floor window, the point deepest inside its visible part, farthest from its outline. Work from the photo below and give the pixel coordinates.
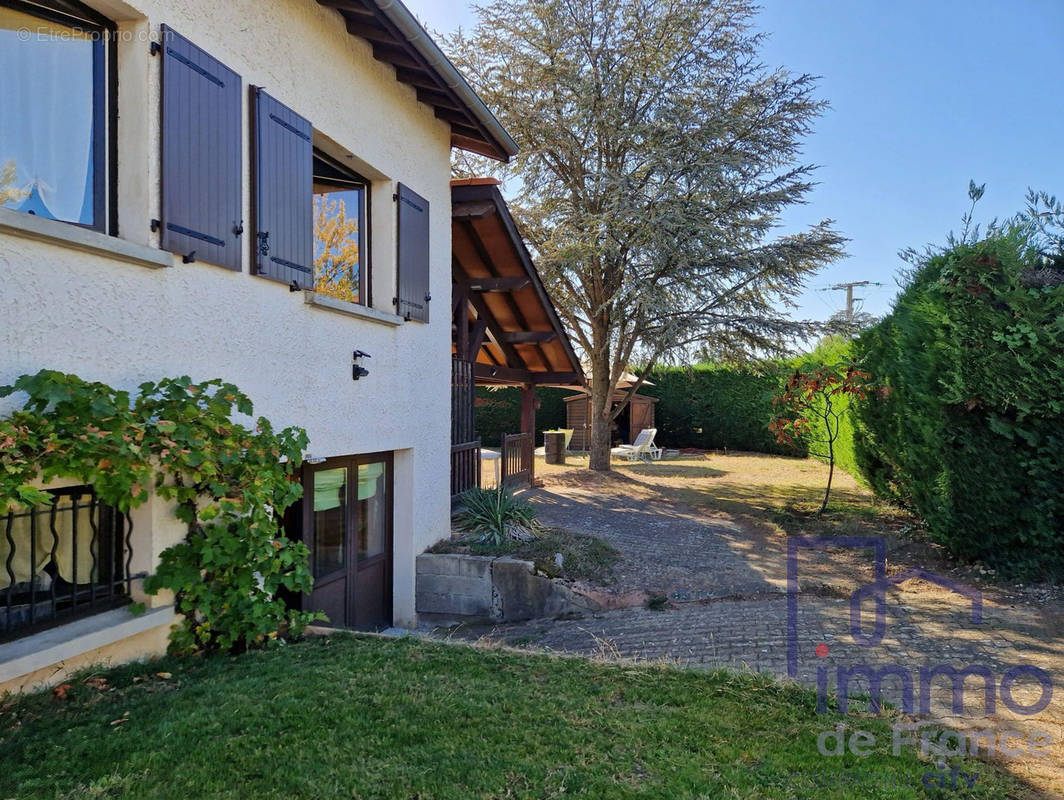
(62, 560)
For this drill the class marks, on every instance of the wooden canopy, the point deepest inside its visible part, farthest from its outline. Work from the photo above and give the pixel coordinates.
(504, 320)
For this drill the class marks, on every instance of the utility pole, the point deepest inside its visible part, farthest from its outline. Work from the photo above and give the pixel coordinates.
(848, 288)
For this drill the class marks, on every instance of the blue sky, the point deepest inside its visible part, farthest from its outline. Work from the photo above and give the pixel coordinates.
(925, 95)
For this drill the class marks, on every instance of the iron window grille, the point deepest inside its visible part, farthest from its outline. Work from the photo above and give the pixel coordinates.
(62, 561)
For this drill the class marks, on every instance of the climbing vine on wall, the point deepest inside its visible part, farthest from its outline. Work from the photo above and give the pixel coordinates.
(229, 484)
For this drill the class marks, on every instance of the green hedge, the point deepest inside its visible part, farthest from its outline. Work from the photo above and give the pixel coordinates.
(714, 406)
(731, 404)
(498, 411)
(968, 428)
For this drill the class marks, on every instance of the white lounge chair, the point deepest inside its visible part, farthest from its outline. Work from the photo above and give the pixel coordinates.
(641, 449)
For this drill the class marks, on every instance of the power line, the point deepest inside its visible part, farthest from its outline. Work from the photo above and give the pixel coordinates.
(848, 288)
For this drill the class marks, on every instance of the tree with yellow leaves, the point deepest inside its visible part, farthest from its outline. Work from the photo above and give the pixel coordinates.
(336, 251)
(8, 192)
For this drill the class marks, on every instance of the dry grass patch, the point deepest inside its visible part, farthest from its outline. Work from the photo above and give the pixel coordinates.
(775, 493)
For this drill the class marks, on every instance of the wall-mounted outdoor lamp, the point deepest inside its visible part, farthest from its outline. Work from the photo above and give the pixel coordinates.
(358, 371)
(309, 459)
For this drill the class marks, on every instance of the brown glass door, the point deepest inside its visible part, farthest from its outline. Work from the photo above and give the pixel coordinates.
(347, 525)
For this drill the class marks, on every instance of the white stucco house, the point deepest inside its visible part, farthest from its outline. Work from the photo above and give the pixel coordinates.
(251, 191)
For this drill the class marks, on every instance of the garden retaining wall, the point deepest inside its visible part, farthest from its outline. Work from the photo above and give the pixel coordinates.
(454, 587)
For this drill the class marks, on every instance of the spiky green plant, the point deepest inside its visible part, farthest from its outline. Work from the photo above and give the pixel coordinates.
(495, 515)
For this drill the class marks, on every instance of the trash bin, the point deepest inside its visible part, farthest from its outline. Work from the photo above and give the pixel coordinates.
(554, 447)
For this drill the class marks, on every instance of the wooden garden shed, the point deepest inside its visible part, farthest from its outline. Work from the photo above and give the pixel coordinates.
(638, 415)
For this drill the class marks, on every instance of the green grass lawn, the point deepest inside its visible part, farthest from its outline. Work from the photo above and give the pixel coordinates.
(349, 716)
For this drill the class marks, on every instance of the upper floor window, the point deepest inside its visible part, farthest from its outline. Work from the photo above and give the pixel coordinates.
(311, 217)
(340, 228)
(54, 99)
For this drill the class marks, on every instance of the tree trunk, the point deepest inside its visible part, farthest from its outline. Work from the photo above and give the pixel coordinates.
(831, 473)
(600, 412)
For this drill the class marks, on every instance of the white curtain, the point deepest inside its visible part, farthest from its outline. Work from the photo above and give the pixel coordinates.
(26, 567)
(46, 115)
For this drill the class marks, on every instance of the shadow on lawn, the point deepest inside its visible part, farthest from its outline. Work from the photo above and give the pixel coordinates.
(658, 470)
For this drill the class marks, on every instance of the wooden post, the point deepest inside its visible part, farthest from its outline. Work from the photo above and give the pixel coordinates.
(461, 320)
(528, 425)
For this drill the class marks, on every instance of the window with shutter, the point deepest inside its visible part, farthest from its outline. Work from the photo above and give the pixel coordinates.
(341, 231)
(282, 157)
(201, 149)
(412, 298)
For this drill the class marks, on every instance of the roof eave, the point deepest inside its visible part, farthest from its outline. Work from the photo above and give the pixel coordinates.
(398, 38)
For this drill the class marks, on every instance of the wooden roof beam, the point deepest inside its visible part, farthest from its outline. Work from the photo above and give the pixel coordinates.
(455, 116)
(462, 124)
(507, 284)
(458, 128)
(476, 339)
(530, 337)
(429, 96)
(473, 210)
(394, 55)
(417, 77)
(489, 373)
(372, 33)
(484, 313)
(477, 146)
(468, 194)
(459, 297)
(483, 254)
(353, 6)
(398, 39)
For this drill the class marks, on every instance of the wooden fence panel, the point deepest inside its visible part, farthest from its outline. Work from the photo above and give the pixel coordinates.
(465, 467)
(463, 401)
(517, 459)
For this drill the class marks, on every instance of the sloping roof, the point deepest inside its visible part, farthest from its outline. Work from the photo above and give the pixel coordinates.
(627, 381)
(504, 318)
(398, 39)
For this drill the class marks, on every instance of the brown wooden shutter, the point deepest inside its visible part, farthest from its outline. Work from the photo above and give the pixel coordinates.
(412, 300)
(201, 145)
(282, 163)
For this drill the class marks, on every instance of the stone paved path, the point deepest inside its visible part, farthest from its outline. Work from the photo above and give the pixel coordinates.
(668, 549)
(727, 582)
